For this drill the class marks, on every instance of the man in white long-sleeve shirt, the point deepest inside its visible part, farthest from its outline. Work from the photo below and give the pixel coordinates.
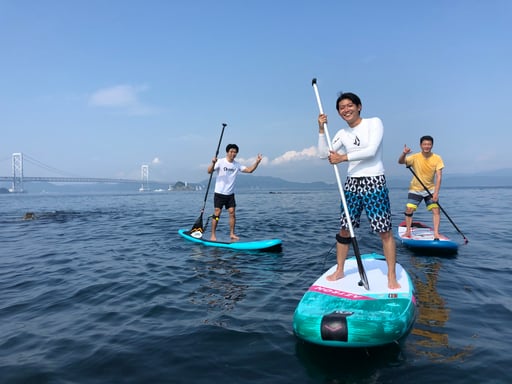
(360, 144)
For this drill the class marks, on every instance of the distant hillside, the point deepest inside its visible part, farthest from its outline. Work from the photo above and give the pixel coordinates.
(272, 183)
(500, 179)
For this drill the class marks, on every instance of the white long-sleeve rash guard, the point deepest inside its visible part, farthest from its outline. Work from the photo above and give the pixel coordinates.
(363, 146)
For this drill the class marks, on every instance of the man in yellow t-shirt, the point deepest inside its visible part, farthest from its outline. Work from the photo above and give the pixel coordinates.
(428, 168)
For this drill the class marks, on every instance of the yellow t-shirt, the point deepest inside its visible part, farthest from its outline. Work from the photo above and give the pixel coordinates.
(425, 168)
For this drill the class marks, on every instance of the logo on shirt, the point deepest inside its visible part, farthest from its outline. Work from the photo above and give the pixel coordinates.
(229, 170)
(357, 141)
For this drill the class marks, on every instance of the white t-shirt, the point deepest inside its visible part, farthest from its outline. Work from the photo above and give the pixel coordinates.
(227, 172)
(363, 146)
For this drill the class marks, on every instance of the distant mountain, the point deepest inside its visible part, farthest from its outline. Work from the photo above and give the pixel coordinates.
(503, 172)
(495, 178)
(273, 183)
(499, 179)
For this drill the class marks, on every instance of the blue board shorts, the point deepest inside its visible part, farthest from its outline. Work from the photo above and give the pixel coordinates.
(371, 194)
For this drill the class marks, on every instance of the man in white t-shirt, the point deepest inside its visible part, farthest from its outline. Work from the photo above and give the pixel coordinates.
(227, 168)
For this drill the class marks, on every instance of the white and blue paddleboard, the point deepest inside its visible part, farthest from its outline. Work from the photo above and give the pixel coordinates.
(422, 239)
(269, 245)
(343, 313)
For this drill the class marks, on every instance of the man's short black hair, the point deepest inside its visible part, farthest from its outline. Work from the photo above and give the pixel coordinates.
(231, 146)
(428, 138)
(349, 96)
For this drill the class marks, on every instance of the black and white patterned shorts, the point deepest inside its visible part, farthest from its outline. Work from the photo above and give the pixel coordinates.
(371, 194)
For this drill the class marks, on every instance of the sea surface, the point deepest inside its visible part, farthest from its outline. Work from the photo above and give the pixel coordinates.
(99, 288)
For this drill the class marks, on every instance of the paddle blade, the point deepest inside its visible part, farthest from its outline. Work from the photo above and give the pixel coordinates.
(197, 229)
(197, 234)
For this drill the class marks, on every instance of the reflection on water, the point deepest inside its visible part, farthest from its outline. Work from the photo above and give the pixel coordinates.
(431, 340)
(219, 281)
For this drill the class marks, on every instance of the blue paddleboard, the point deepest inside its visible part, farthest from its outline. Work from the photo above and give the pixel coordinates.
(422, 239)
(270, 245)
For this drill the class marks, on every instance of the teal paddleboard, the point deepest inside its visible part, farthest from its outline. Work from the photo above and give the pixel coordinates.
(343, 313)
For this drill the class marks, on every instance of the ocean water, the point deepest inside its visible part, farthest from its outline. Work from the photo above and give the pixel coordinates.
(100, 288)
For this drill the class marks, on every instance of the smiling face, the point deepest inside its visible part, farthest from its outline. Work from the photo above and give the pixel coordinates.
(349, 108)
(349, 112)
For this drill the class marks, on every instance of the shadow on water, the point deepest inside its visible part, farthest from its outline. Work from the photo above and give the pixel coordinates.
(347, 365)
(220, 283)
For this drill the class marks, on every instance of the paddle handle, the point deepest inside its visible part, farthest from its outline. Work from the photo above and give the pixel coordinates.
(224, 125)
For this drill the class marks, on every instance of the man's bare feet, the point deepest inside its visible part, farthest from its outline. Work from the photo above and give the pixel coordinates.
(393, 284)
(407, 234)
(234, 237)
(213, 238)
(335, 276)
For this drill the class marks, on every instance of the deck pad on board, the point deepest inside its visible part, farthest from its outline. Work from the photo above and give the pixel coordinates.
(376, 272)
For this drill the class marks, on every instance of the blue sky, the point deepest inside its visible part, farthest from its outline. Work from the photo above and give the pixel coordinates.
(98, 88)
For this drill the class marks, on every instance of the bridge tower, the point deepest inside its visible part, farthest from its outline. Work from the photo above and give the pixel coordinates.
(144, 175)
(17, 173)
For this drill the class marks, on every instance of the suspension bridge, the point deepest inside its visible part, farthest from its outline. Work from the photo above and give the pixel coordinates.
(17, 178)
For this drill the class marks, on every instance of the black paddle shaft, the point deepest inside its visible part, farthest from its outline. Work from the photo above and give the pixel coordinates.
(441, 208)
(198, 225)
(211, 174)
(360, 267)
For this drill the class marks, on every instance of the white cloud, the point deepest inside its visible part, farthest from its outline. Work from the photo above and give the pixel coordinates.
(290, 156)
(310, 153)
(156, 161)
(126, 97)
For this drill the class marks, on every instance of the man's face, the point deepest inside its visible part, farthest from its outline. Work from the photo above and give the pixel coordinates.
(348, 110)
(231, 154)
(426, 146)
